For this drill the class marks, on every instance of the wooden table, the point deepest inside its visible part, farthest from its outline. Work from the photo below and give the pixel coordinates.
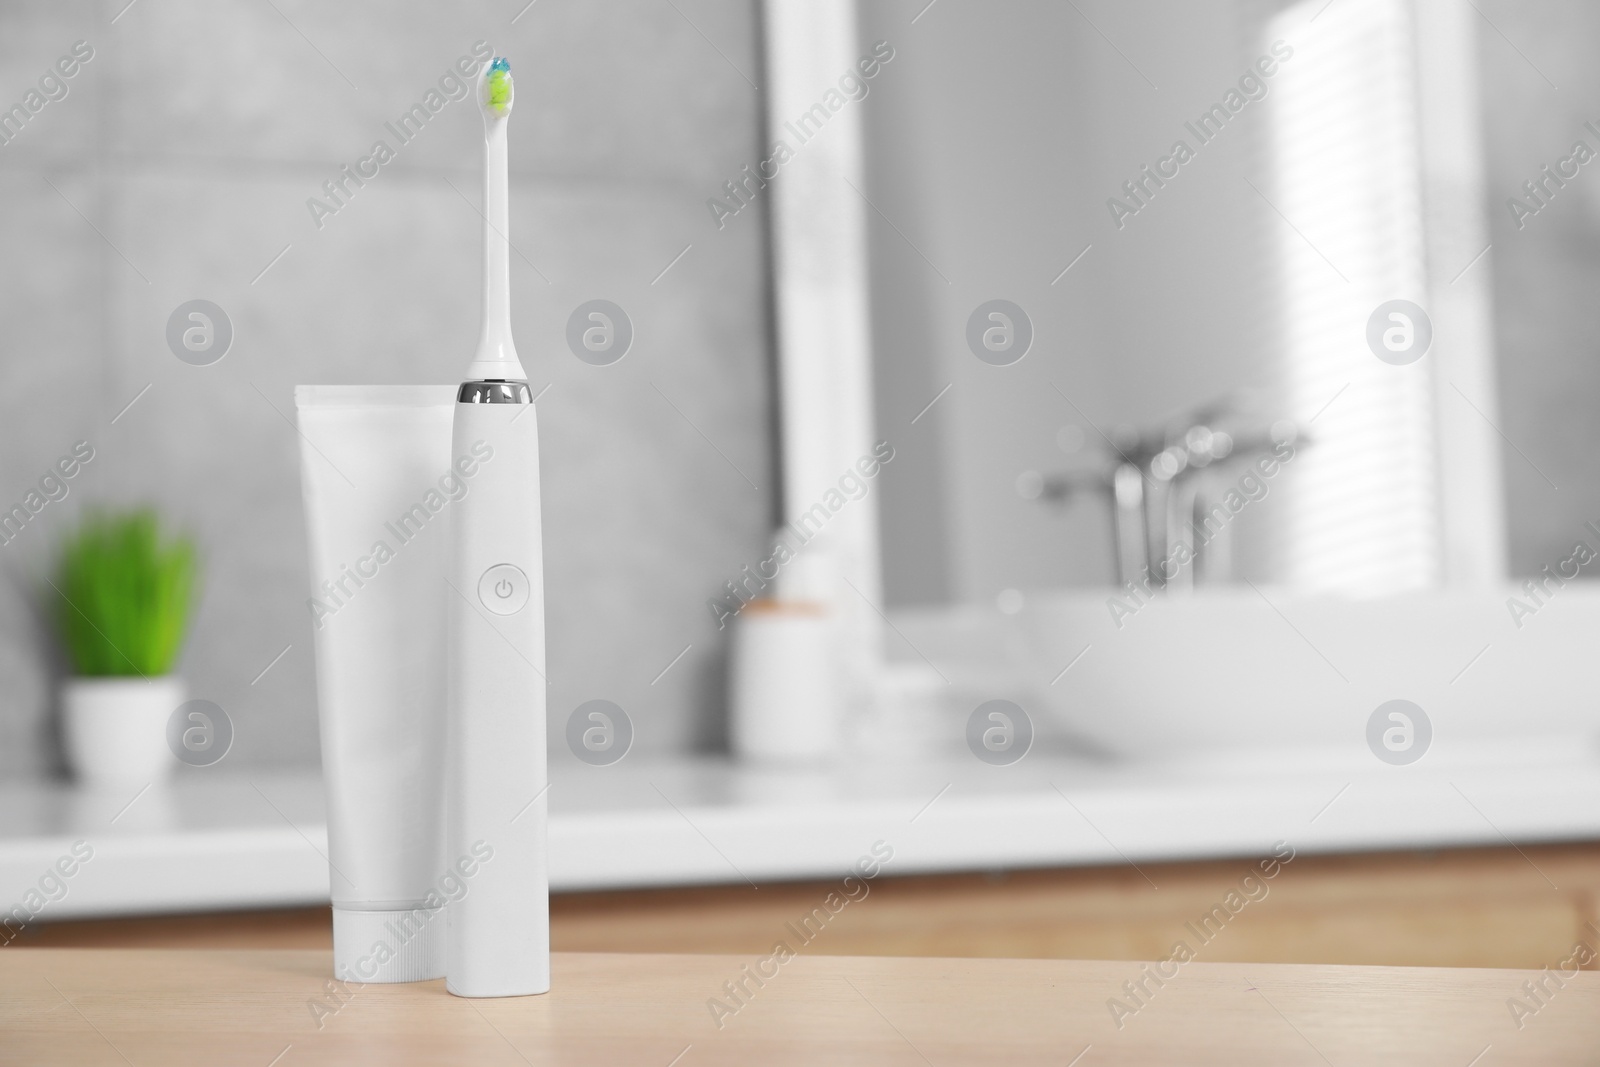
(274, 1009)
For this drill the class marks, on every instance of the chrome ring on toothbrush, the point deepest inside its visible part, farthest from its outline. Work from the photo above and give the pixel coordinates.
(494, 391)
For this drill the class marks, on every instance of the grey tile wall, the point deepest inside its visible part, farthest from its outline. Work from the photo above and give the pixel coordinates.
(179, 165)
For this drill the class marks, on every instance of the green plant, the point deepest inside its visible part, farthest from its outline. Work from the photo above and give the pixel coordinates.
(124, 595)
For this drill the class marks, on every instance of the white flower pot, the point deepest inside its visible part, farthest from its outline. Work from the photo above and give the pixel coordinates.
(115, 729)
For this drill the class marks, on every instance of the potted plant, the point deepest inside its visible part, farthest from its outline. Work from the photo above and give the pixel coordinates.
(122, 601)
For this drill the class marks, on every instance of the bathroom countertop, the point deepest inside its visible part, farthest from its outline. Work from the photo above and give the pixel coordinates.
(84, 1006)
(234, 839)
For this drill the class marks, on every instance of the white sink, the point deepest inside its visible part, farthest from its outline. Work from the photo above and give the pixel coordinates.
(1241, 669)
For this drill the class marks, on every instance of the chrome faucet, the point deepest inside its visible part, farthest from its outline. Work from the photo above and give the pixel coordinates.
(1154, 482)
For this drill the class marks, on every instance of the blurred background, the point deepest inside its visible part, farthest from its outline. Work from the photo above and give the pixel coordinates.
(179, 167)
(1365, 170)
(1202, 457)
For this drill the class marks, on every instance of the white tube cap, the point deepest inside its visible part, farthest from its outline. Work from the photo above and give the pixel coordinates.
(388, 946)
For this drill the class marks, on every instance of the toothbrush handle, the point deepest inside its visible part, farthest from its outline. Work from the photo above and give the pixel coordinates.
(499, 943)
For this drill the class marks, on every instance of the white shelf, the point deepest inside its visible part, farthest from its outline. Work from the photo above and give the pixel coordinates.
(218, 842)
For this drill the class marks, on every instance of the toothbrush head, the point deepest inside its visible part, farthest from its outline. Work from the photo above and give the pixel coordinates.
(497, 89)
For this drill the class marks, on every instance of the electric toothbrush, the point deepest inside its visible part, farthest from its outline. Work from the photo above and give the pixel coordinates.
(499, 943)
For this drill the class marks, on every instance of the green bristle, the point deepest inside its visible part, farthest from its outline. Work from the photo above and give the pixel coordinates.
(499, 85)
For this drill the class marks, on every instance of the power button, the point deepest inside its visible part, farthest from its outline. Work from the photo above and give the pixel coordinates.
(503, 589)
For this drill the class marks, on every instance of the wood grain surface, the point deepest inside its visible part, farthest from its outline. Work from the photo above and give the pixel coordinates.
(275, 1009)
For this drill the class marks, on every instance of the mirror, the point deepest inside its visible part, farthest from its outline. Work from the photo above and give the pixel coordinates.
(1177, 296)
(1229, 352)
